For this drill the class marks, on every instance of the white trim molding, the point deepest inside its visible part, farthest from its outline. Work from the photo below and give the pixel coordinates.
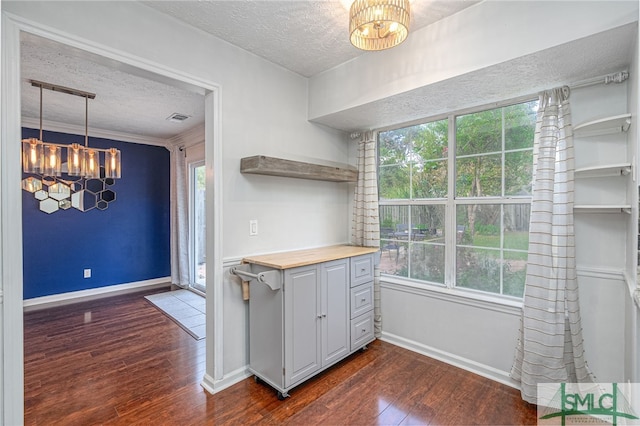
(93, 293)
(455, 295)
(481, 299)
(193, 136)
(605, 274)
(54, 126)
(11, 319)
(214, 205)
(449, 358)
(229, 379)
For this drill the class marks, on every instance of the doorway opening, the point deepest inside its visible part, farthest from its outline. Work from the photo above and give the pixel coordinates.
(12, 334)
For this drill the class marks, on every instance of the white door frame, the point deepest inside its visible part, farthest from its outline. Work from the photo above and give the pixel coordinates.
(11, 279)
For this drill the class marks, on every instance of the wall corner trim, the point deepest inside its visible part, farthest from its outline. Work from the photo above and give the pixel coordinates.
(213, 386)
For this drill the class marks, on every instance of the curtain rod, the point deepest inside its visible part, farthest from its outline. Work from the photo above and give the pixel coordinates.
(618, 77)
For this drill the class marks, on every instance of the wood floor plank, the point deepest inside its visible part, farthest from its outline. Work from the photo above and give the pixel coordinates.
(120, 361)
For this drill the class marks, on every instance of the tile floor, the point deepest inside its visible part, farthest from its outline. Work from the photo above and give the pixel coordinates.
(185, 307)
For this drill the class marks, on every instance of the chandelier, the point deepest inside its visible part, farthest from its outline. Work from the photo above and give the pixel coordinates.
(80, 181)
(379, 24)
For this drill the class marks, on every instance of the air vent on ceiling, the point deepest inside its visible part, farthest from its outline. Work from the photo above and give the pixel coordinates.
(177, 117)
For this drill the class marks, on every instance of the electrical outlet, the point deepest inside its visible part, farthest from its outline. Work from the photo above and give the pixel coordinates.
(253, 227)
(87, 273)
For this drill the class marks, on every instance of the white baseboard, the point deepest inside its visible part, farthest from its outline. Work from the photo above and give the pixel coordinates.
(93, 293)
(213, 386)
(455, 360)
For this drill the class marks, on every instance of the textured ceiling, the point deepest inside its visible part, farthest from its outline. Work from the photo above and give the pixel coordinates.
(304, 36)
(124, 102)
(595, 56)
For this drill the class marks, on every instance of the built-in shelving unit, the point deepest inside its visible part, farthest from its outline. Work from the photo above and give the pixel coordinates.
(607, 170)
(602, 208)
(600, 127)
(263, 165)
(604, 126)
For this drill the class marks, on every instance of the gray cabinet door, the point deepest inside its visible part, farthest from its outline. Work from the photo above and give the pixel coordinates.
(335, 310)
(301, 323)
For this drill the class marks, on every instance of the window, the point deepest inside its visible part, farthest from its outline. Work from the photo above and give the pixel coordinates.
(197, 221)
(455, 199)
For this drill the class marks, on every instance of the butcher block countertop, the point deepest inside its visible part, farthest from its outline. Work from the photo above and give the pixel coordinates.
(293, 259)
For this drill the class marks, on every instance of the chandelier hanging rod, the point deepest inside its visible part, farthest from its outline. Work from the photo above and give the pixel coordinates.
(68, 91)
(62, 89)
(67, 145)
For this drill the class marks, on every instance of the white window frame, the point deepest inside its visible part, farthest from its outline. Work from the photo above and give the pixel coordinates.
(192, 166)
(451, 203)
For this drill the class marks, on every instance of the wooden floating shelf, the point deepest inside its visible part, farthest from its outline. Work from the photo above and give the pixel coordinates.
(263, 165)
(604, 126)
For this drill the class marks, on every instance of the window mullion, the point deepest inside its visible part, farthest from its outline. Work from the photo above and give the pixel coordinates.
(450, 209)
(502, 184)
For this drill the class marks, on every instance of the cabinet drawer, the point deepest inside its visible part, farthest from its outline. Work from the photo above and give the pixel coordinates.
(361, 269)
(361, 330)
(361, 299)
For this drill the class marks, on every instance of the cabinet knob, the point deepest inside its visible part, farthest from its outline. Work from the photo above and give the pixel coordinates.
(363, 299)
(319, 316)
(324, 315)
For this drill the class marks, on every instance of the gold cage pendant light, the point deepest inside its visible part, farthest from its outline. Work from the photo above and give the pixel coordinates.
(379, 24)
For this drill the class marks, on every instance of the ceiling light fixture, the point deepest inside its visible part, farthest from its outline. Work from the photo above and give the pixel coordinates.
(379, 24)
(67, 182)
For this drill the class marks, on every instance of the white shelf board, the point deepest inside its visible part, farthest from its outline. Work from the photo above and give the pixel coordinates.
(604, 126)
(605, 170)
(602, 208)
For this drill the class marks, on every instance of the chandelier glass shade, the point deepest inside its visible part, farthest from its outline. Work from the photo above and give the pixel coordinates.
(80, 181)
(379, 24)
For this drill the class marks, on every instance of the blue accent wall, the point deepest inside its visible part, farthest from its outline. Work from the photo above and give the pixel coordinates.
(127, 242)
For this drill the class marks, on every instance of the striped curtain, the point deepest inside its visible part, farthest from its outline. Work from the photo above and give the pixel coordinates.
(365, 230)
(550, 347)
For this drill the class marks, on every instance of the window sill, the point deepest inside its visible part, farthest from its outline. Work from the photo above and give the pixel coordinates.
(454, 295)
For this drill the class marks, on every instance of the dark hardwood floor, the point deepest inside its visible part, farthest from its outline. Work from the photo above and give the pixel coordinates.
(121, 361)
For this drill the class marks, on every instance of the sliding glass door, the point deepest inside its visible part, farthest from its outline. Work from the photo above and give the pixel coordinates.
(197, 226)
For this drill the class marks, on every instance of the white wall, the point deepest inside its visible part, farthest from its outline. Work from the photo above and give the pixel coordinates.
(263, 111)
(474, 335)
(632, 309)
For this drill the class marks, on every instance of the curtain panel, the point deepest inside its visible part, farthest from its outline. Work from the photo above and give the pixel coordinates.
(179, 219)
(365, 229)
(550, 346)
